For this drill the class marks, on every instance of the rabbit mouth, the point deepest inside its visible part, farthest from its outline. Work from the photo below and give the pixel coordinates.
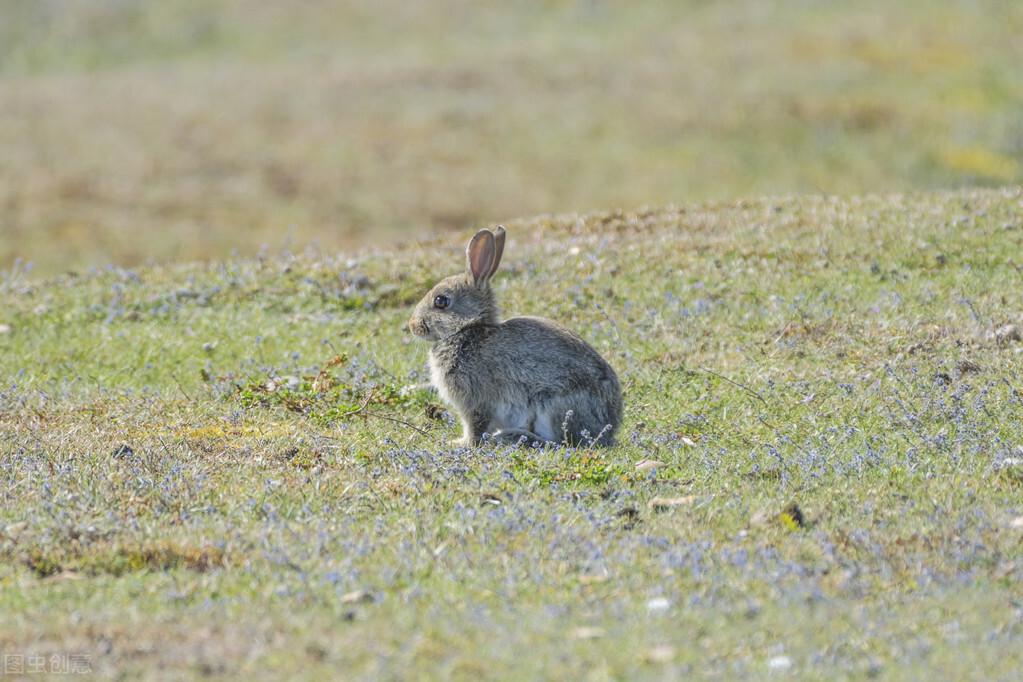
(419, 328)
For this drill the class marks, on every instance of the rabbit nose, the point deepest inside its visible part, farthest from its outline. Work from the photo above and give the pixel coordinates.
(418, 327)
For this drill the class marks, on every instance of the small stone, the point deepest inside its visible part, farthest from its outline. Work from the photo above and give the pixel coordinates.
(662, 653)
(658, 605)
(779, 663)
(1016, 522)
(648, 464)
(5, 329)
(587, 632)
(686, 440)
(662, 503)
(358, 597)
(292, 383)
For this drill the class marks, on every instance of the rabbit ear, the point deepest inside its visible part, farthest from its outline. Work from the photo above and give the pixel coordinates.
(480, 256)
(499, 248)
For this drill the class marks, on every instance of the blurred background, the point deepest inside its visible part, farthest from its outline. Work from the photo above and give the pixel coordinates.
(192, 129)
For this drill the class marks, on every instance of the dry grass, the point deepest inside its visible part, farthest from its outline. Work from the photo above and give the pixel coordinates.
(181, 130)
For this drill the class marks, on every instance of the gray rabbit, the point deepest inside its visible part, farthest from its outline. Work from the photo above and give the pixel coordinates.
(524, 377)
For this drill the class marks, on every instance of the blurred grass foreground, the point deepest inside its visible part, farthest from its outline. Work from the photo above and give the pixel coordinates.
(182, 129)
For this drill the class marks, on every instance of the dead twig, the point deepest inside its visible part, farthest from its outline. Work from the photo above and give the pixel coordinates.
(736, 384)
(397, 421)
(181, 388)
(361, 409)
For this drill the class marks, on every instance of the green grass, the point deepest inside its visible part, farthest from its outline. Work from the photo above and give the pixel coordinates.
(225, 469)
(182, 130)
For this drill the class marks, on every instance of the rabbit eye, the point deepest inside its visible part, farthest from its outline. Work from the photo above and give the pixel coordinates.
(441, 302)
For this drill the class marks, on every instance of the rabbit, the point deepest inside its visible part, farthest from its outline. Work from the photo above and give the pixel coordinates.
(523, 378)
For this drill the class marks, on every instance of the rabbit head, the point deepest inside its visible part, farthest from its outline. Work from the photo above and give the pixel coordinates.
(462, 300)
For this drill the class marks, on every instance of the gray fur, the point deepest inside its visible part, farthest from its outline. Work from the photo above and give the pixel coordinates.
(526, 376)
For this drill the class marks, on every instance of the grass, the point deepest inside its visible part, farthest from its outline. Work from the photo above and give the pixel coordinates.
(182, 130)
(216, 459)
(226, 469)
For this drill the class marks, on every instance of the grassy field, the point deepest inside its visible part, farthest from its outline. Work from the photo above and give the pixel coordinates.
(225, 469)
(216, 455)
(183, 130)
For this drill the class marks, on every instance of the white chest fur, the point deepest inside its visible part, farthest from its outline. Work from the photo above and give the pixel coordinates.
(437, 379)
